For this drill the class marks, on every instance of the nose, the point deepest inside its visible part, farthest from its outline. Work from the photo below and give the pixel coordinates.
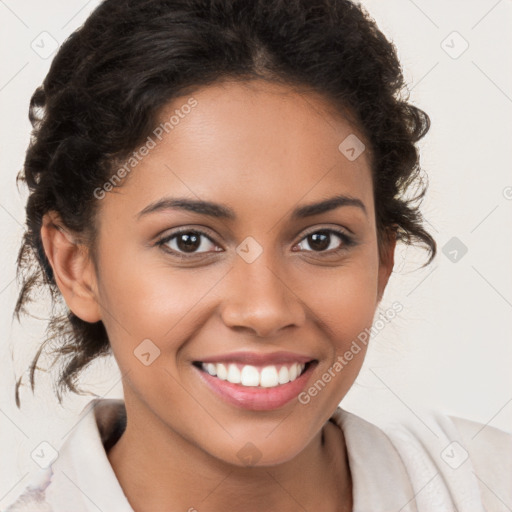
(261, 300)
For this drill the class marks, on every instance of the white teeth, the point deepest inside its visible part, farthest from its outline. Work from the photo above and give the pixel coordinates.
(233, 374)
(268, 377)
(249, 375)
(284, 375)
(222, 372)
(211, 369)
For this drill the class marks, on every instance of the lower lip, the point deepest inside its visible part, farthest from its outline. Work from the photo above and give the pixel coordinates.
(257, 398)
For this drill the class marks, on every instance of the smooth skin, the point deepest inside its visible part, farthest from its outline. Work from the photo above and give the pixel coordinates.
(263, 150)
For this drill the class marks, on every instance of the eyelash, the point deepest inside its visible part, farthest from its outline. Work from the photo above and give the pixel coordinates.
(347, 241)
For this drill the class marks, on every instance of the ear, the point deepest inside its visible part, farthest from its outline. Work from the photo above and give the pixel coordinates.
(73, 270)
(387, 261)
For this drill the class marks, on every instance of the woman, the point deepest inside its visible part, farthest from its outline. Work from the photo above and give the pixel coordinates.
(216, 192)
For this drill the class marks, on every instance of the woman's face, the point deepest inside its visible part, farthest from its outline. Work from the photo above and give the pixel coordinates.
(256, 279)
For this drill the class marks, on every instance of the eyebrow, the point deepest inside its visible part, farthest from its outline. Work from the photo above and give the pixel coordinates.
(225, 212)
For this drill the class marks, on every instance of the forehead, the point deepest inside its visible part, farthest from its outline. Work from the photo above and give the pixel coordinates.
(252, 144)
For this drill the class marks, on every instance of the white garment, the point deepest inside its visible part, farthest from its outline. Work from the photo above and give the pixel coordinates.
(439, 464)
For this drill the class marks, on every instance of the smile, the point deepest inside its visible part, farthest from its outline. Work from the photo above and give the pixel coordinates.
(251, 376)
(256, 382)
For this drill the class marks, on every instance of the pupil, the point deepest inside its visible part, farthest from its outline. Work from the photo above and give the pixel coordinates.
(319, 241)
(190, 242)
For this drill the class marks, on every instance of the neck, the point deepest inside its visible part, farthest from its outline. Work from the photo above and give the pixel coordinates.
(173, 474)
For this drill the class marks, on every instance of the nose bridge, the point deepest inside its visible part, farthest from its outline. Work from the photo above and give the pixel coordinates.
(259, 296)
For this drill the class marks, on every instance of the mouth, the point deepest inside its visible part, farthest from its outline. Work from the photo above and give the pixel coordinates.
(258, 386)
(248, 375)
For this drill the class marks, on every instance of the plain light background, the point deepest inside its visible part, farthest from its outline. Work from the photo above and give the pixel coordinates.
(450, 349)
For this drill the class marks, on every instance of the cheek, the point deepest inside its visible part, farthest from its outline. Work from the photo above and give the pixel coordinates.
(154, 312)
(153, 301)
(344, 302)
(344, 298)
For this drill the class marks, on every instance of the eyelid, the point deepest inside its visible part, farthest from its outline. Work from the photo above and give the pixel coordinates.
(347, 240)
(343, 233)
(202, 231)
(338, 230)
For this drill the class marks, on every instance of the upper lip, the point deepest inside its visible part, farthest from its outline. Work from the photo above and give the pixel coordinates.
(258, 358)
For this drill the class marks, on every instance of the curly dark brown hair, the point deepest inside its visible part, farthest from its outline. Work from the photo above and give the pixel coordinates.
(111, 78)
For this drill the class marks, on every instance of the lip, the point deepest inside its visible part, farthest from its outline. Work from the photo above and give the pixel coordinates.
(257, 398)
(258, 358)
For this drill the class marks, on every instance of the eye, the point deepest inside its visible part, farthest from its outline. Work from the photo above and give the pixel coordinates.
(322, 241)
(188, 242)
